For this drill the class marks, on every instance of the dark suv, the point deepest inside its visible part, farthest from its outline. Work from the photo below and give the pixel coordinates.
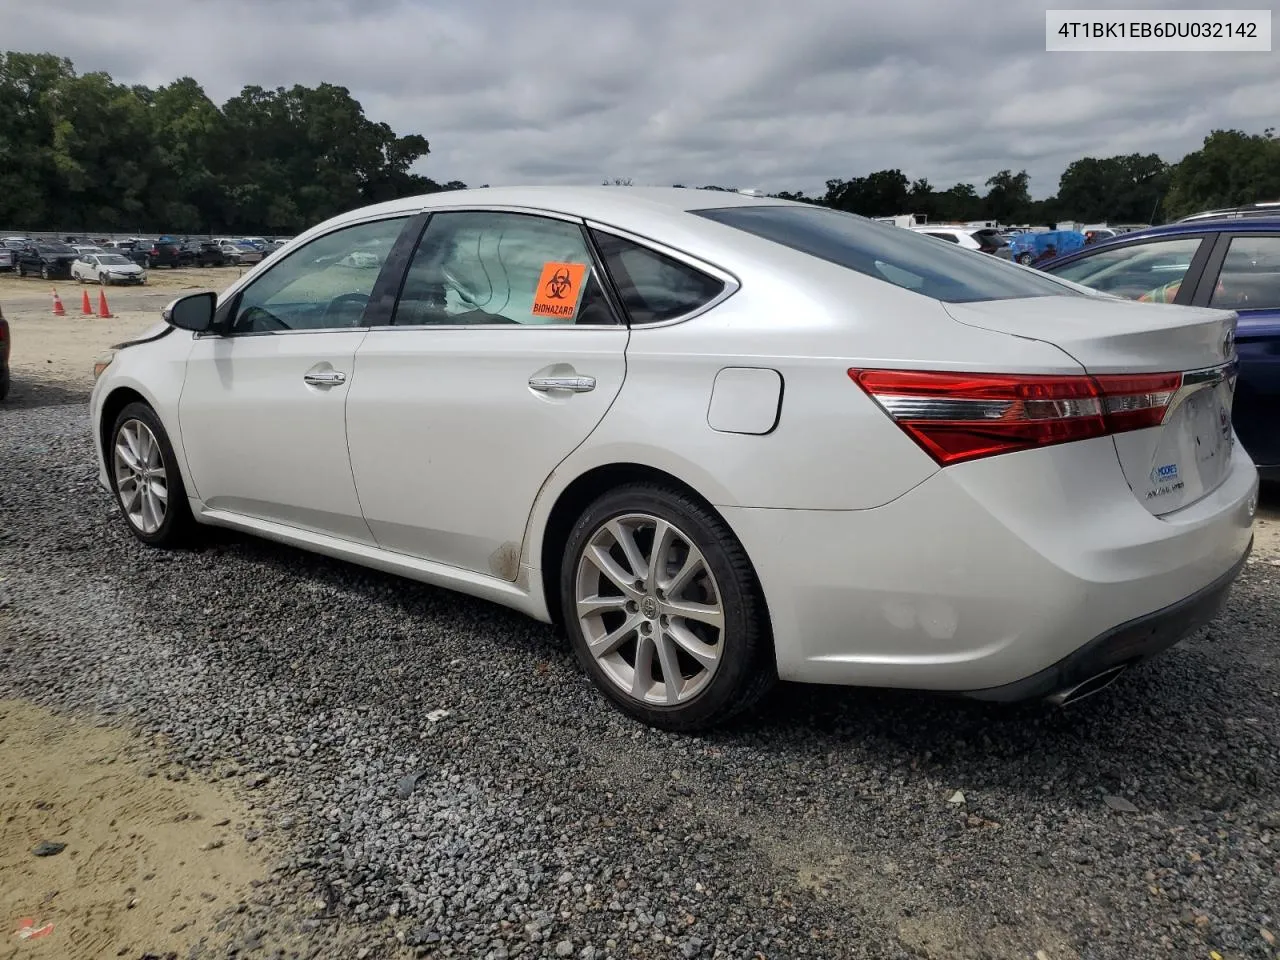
(50, 259)
(169, 253)
(205, 253)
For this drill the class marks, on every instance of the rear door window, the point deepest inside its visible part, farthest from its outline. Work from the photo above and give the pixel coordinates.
(1151, 271)
(1250, 275)
(653, 286)
(902, 257)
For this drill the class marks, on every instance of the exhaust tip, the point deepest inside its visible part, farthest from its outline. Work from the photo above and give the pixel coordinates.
(1096, 683)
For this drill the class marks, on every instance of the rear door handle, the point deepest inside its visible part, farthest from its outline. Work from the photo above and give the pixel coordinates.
(572, 384)
(325, 378)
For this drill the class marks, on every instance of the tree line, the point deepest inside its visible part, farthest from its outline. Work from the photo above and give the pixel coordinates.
(84, 153)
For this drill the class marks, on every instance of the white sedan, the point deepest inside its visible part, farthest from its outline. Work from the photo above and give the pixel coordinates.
(106, 269)
(721, 439)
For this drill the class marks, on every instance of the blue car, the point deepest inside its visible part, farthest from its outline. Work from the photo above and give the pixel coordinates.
(1230, 264)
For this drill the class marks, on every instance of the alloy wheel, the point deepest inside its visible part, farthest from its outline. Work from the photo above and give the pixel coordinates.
(141, 482)
(650, 609)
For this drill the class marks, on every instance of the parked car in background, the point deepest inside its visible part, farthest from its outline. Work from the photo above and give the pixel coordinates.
(574, 401)
(139, 253)
(106, 269)
(205, 253)
(6, 336)
(6, 259)
(48, 259)
(82, 249)
(985, 239)
(167, 252)
(241, 254)
(1231, 264)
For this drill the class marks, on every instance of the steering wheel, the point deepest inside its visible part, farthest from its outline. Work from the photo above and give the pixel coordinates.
(341, 300)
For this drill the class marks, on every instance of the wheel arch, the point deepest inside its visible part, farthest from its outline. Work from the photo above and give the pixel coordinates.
(575, 497)
(120, 396)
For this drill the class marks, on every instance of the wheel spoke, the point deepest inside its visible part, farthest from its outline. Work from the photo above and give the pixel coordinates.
(663, 534)
(705, 654)
(126, 454)
(692, 564)
(160, 491)
(672, 681)
(593, 606)
(610, 568)
(642, 676)
(612, 641)
(625, 538)
(708, 613)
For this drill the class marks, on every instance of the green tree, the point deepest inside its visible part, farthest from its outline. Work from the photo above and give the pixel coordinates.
(1008, 199)
(1125, 189)
(1230, 169)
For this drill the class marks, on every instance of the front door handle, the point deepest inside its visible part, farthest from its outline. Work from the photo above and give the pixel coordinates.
(325, 378)
(572, 384)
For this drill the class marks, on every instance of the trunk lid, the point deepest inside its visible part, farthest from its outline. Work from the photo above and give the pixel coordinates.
(1189, 455)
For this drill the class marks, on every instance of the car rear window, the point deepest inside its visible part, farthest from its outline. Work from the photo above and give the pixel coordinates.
(901, 257)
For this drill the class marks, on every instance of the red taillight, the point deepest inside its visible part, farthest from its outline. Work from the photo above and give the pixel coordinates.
(963, 416)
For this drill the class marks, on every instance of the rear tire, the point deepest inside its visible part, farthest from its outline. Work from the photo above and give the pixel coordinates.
(686, 648)
(146, 480)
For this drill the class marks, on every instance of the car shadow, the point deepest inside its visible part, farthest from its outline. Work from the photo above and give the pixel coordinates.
(26, 393)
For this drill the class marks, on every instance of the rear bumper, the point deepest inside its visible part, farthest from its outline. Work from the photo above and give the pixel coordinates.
(1123, 646)
(989, 572)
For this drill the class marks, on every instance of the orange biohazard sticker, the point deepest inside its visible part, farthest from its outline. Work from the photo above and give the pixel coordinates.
(559, 290)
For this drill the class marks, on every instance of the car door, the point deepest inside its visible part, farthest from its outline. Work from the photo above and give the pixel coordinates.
(1243, 274)
(504, 353)
(1157, 269)
(262, 407)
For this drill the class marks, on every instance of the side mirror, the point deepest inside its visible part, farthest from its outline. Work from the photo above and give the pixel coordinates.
(193, 312)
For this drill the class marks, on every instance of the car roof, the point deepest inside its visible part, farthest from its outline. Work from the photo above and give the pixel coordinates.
(1242, 225)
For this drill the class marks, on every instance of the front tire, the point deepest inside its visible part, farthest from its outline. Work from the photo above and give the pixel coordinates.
(145, 478)
(664, 610)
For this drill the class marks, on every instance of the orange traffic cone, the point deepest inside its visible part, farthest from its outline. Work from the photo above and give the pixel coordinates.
(86, 308)
(103, 312)
(58, 309)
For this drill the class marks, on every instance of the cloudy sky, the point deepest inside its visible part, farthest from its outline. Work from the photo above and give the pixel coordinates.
(775, 94)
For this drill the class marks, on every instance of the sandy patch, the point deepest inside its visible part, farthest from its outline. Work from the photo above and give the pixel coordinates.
(149, 863)
(64, 348)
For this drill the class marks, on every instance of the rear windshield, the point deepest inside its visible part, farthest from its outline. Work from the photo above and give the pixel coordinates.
(990, 238)
(901, 257)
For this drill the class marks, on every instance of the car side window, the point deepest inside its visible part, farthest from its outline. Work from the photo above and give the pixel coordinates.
(949, 237)
(1250, 275)
(488, 267)
(1151, 271)
(322, 285)
(653, 286)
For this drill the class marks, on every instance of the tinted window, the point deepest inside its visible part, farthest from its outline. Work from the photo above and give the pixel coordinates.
(110, 258)
(55, 248)
(654, 287)
(888, 253)
(324, 284)
(474, 267)
(949, 237)
(1250, 277)
(1150, 271)
(989, 238)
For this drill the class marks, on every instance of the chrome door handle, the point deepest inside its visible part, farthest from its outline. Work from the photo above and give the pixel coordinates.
(325, 378)
(572, 384)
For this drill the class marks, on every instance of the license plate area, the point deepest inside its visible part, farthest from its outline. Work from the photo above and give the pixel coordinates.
(1190, 454)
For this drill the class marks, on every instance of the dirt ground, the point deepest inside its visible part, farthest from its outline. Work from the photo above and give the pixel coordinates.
(48, 348)
(149, 865)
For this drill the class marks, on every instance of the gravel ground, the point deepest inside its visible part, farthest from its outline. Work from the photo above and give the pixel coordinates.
(444, 782)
